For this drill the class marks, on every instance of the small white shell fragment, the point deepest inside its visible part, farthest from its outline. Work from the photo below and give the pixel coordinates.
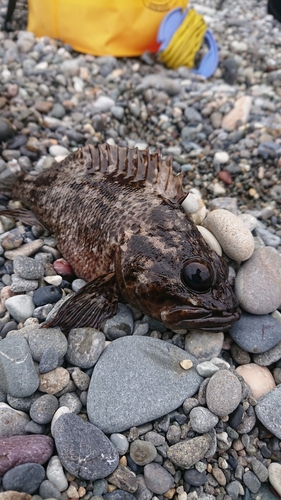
(233, 235)
(210, 239)
(186, 364)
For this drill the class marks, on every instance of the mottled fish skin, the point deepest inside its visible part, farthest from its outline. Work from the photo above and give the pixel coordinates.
(116, 214)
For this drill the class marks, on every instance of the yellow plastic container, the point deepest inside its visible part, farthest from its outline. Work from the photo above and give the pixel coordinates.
(101, 27)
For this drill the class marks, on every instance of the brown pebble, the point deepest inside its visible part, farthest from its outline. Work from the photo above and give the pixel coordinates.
(170, 493)
(53, 381)
(44, 106)
(186, 364)
(219, 476)
(14, 495)
(225, 177)
(25, 250)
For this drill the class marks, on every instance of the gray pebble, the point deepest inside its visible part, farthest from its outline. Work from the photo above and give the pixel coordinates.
(34, 428)
(80, 379)
(268, 357)
(233, 489)
(202, 420)
(24, 477)
(256, 333)
(20, 285)
(12, 422)
(206, 369)
(142, 452)
(118, 112)
(194, 477)
(77, 284)
(100, 487)
(223, 393)
(119, 325)
(85, 346)
(83, 449)
(259, 469)
(55, 473)
(28, 268)
(202, 345)
(157, 479)
(154, 438)
(151, 371)
(268, 411)
(251, 481)
(44, 408)
(18, 376)
(42, 312)
(72, 401)
(49, 491)
(42, 339)
(49, 360)
(120, 442)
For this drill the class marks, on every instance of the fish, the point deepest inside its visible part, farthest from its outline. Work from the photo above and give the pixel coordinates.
(118, 221)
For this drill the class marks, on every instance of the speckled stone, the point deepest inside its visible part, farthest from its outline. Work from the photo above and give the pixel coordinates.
(12, 422)
(139, 384)
(54, 381)
(202, 420)
(157, 479)
(187, 453)
(268, 411)
(223, 393)
(44, 408)
(202, 345)
(83, 449)
(16, 450)
(85, 346)
(41, 339)
(142, 452)
(25, 477)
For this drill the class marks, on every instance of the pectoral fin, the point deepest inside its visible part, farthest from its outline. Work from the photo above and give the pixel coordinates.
(26, 216)
(95, 302)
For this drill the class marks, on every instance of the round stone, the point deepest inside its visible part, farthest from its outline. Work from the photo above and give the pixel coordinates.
(234, 237)
(24, 477)
(202, 420)
(120, 442)
(48, 490)
(223, 393)
(44, 408)
(42, 339)
(221, 157)
(28, 268)
(258, 378)
(256, 333)
(20, 307)
(47, 295)
(157, 479)
(258, 282)
(142, 452)
(194, 477)
(54, 381)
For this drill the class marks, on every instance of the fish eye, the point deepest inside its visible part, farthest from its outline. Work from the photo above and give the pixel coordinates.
(197, 276)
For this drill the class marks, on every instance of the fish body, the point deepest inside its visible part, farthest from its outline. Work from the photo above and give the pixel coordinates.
(118, 221)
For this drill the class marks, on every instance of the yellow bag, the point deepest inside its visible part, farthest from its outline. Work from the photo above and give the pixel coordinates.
(101, 27)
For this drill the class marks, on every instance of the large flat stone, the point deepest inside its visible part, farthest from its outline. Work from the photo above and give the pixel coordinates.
(136, 380)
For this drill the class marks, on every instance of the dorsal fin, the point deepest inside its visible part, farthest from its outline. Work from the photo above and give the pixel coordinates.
(137, 168)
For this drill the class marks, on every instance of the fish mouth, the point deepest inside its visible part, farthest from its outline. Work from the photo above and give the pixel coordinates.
(184, 318)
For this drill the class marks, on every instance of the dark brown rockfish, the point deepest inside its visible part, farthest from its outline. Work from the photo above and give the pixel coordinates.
(118, 221)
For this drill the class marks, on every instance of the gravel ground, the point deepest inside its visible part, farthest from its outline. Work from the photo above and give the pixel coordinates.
(224, 134)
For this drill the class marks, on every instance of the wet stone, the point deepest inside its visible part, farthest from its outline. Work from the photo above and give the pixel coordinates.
(18, 376)
(157, 479)
(83, 448)
(85, 346)
(43, 409)
(140, 384)
(24, 477)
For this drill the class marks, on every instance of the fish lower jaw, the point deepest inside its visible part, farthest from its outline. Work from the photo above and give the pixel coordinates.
(199, 319)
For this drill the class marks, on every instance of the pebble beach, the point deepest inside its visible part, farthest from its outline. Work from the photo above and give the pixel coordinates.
(135, 411)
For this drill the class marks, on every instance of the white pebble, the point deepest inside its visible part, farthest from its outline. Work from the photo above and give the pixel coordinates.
(235, 238)
(274, 476)
(221, 157)
(56, 150)
(190, 204)
(53, 280)
(210, 239)
(249, 220)
(20, 307)
(55, 473)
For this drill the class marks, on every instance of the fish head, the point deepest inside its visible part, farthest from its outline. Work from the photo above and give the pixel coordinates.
(178, 280)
